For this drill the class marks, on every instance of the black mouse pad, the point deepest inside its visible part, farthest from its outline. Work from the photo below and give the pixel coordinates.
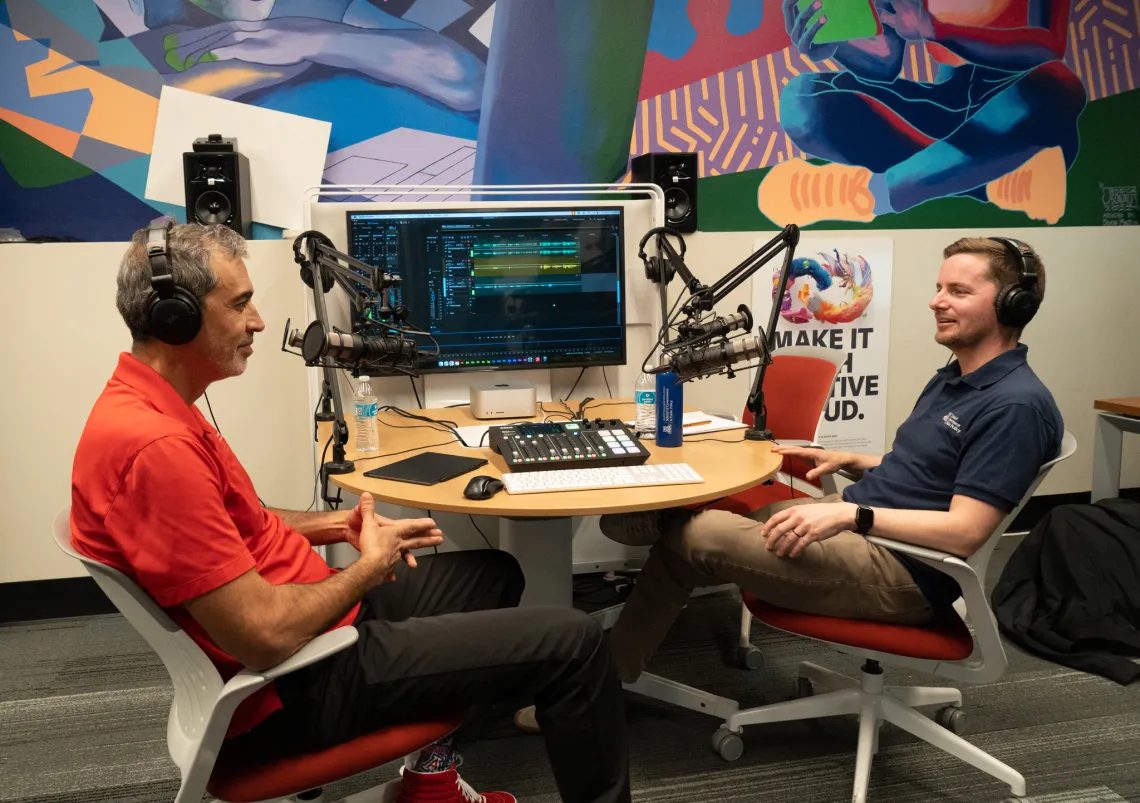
(427, 468)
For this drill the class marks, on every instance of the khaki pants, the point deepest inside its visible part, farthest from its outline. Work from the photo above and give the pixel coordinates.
(844, 576)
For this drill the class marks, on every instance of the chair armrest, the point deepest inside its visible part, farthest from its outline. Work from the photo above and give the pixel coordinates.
(984, 625)
(930, 555)
(247, 681)
(852, 474)
(321, 647)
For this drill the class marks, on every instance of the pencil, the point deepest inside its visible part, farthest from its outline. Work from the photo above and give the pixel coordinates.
(695, 424)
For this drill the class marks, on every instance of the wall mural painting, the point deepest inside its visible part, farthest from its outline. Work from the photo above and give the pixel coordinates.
(834, 114)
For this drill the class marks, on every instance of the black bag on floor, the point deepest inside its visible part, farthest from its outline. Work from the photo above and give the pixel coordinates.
(1071, 590)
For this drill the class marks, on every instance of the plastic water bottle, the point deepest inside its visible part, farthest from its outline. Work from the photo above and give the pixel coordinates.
(365, 406)
(645, 397)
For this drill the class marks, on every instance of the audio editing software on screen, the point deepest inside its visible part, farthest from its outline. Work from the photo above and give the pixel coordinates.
(505, 288)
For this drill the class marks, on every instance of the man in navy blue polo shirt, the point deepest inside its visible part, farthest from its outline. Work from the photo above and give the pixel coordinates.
(969, 451)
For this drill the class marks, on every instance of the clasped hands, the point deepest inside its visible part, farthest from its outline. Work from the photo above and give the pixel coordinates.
(790, 531)
(384, 542)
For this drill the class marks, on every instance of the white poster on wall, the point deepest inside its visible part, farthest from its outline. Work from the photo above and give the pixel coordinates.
(839, 297)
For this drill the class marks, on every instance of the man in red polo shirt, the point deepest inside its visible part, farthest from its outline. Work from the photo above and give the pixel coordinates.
(158, 494)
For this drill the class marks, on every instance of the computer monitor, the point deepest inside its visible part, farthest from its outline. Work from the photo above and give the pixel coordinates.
(504, 289)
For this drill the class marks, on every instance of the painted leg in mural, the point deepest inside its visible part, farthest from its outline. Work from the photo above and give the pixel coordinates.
(560, 101)
(1000, 129)
(1014, 151)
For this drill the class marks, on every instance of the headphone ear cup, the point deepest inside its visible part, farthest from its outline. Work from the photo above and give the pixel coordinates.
(175, 320)
(1016, 306)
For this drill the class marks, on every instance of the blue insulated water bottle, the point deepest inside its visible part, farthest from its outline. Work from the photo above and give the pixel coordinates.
(670, 409)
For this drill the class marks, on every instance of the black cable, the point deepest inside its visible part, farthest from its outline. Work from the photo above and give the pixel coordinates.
(446, 424)
(599, 404)
(609, 392)
(702, 440)
(476, 526)
(210, 407)
(572, 387)
(419, 404)
(405, 451)
(317, 478)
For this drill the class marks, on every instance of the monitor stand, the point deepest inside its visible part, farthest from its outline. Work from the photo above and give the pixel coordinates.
(444, 390)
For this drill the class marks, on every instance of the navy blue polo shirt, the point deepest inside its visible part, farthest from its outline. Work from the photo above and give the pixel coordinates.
(983, 435)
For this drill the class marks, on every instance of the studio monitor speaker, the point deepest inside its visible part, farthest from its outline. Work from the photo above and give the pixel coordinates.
(676, 174)
(217, 183)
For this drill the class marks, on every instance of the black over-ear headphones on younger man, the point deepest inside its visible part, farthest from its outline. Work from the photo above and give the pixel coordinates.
(1017, 303)
(173, 315)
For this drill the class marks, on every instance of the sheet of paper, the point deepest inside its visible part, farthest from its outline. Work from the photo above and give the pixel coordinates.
(472, 436)
(698, 423)
(286, 152)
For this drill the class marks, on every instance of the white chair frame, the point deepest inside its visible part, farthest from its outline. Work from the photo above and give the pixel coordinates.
(203, 705)
(876, 703)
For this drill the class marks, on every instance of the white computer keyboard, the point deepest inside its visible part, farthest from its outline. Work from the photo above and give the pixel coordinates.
(584, 479)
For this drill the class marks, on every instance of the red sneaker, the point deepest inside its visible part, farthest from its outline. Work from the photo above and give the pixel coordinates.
(444, 787)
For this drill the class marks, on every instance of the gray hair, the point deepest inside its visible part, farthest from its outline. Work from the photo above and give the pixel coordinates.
(189, 248)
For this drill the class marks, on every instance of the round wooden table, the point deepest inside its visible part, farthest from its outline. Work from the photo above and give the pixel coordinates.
(537, 528)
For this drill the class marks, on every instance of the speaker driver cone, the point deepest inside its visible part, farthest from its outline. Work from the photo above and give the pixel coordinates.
(212, 207)
(678, 205)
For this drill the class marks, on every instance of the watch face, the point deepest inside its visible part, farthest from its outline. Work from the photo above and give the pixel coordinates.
(864, 519)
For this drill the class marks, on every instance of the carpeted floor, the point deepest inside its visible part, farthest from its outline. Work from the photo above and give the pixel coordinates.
(83, 706)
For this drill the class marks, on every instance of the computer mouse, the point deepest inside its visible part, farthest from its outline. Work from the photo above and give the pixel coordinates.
(482, 487)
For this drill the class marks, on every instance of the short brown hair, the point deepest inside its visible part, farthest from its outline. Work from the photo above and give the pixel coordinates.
(1005, 268)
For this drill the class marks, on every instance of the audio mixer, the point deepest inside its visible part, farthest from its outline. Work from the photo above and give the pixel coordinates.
(567, 444)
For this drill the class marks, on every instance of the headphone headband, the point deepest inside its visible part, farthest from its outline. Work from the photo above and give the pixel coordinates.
(1027, 276)
(157, 253)
(174, 315)
(659, 230)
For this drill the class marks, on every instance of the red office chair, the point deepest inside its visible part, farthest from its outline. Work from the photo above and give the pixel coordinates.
(202, 707)
(797, 386)
(943, 648)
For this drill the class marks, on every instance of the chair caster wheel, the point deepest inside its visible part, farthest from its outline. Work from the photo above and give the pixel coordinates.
(727, 744)
(802, 687)
(749, 657)
(952, 718)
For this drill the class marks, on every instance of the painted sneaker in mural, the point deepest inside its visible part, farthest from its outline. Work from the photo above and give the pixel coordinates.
(1037, 188)
(799, 192)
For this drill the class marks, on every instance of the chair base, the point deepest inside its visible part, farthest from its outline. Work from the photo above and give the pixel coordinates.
(875, 704)
(670, 691)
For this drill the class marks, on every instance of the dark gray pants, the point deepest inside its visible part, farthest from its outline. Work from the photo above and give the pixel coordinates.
(447, 636)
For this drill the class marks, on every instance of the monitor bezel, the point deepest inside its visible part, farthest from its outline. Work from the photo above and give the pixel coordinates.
(623, 292)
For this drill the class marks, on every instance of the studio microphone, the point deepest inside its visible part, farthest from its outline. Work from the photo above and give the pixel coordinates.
(717, 327)
(693, 362)
(353, 348)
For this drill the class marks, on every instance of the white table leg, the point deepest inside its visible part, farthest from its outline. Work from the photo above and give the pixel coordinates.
(1108, 440)
(544, 549)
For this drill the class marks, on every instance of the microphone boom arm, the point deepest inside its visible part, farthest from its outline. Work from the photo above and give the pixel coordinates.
(704, 299)
(322, 266)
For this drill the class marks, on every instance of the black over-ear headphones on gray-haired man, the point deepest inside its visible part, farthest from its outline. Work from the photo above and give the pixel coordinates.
(1017, 303)
(173, 315)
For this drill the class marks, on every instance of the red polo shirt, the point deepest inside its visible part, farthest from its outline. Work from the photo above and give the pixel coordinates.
(158, 494)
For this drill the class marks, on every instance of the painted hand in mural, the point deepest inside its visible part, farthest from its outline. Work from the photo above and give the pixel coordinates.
(420, 60)
(910, 19)
(797, 15)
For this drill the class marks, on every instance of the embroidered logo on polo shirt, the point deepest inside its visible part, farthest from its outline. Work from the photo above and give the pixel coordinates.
(951, 421)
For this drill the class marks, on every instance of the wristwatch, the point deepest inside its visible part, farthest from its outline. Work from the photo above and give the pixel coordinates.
(864, 519)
